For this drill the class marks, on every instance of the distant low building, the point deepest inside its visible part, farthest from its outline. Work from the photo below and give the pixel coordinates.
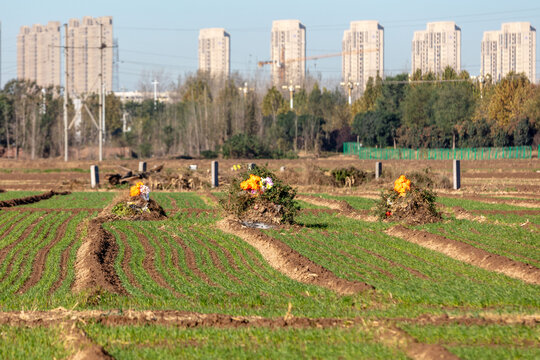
(139, 97)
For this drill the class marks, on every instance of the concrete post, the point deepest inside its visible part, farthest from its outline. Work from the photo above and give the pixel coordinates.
(94, 176)
(215, 176)
(457, 175)
(378, 169)
(142, 166)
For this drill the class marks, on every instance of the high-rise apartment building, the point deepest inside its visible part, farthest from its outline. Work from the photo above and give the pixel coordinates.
(513, 48)
(288, 52)
(214, 51)
(90, 54)
(437, 47)
(38, 54)
(363, 53)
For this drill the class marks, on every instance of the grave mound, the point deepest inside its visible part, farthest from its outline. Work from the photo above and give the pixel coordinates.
(257, 197)
(407, 203)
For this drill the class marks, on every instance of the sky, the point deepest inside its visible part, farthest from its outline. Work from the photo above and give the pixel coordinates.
(160, 37)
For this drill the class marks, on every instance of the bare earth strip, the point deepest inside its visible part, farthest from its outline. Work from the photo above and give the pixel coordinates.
(341, 205)
(469, 254)
(191, 319)
(291, 263)
(94, 267)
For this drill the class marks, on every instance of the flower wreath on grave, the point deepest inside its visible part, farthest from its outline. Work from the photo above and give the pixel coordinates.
(407, 202)
(138, 205)
(259, 199)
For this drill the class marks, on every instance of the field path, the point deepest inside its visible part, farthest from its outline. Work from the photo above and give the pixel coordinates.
(291, 263)
(468, 254)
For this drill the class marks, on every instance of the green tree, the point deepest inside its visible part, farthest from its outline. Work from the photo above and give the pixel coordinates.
(273, 103)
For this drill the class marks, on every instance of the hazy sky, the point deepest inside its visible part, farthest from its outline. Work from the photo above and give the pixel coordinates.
(161, 35)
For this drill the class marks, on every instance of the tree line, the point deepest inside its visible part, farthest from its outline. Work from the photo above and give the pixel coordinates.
(208, 116)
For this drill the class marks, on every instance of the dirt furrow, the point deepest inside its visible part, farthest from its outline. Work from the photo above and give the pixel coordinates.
(94, 267)
(31, 199)
(126, 260)
(5, 251)
(10, 229)
(189, 258)
(468, 253)
(175, 258)
(149, 263)
(376, 270)
(38, 265)
(215, 258)
(64, 259)
(291, 263)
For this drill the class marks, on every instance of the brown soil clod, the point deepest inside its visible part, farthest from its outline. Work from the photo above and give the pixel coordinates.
(468, 253)
(291, 263)
(31, 199)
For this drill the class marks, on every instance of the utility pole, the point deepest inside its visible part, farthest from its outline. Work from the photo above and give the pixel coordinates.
(101, 96)
(155, 82)
(65, 92)
(291, 89)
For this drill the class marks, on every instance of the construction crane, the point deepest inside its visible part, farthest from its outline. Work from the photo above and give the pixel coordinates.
(282, 63)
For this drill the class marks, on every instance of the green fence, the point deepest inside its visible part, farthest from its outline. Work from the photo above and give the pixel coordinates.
(367, 153)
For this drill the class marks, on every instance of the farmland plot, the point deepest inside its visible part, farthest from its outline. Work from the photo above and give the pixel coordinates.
(192, 290)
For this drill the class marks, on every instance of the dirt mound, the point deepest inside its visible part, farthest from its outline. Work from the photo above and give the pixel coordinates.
(119, 209)
(264, 212)
(291, 263)
(414, 210)
(94, 268)
(32, 199)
